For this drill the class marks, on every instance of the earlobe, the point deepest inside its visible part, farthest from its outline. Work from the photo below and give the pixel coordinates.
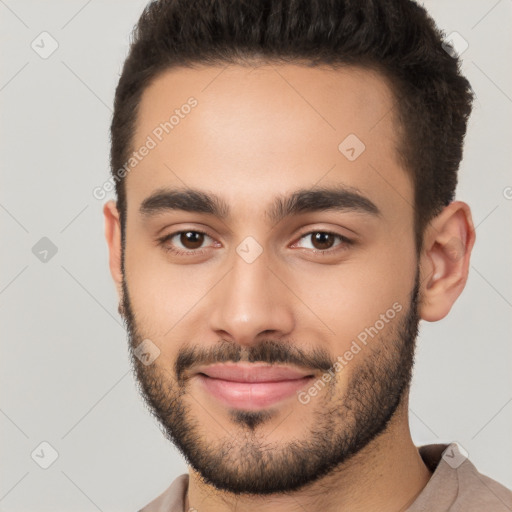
(445, 258)
(113, 237)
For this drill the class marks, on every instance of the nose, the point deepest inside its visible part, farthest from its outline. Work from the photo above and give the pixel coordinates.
(251, 301)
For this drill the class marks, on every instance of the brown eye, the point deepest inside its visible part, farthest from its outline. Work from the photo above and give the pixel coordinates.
(191, 239)
(184, 243)
(325, 241)
(322, 240)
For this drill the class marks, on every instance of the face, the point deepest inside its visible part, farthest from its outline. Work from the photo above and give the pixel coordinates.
(295, 250)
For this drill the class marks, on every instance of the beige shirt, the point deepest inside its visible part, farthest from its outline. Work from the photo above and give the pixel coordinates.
(455, 486)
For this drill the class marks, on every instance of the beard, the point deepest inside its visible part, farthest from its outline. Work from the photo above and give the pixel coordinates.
(244, 462)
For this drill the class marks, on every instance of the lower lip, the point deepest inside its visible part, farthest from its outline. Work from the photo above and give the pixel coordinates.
(251, 395)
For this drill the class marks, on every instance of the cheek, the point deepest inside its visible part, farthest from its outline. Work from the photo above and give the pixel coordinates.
(161, 293)
(351, 297)
(149, 285)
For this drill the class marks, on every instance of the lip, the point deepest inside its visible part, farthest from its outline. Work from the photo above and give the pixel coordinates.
(252, 372)
(251, 386)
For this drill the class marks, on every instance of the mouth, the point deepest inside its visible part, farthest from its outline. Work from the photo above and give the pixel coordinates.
(251, 386)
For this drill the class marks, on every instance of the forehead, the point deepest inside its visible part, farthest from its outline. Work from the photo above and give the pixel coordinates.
(244, 132)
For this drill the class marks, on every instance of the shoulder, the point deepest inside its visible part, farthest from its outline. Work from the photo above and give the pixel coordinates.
(480, 492)
(172, 499)
(456, 484)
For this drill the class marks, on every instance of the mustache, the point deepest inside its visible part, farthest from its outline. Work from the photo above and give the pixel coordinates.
(267, 351)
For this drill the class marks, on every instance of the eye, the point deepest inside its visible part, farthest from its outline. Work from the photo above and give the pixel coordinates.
(190, 239)
(322, 241)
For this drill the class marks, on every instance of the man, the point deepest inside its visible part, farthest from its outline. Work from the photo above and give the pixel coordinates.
(285, 176)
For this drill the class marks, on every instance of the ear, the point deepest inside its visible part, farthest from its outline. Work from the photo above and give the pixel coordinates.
(444, 261)
(113, 237)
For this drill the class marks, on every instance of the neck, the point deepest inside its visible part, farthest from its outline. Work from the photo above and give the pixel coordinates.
(385, 476)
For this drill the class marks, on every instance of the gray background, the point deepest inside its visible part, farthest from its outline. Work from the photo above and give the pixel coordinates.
(65, 376)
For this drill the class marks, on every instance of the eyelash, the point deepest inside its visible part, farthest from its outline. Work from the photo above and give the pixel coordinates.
(195, 252)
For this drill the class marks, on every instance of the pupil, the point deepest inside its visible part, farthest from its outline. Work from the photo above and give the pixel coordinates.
(193, 238)
(321, 238)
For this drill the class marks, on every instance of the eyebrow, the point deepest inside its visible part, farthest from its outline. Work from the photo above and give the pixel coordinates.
(316, 199)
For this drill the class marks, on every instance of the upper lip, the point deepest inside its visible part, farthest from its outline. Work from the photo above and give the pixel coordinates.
(253, 372)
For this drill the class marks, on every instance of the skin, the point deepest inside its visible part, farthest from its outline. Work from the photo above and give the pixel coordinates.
(257, 133)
